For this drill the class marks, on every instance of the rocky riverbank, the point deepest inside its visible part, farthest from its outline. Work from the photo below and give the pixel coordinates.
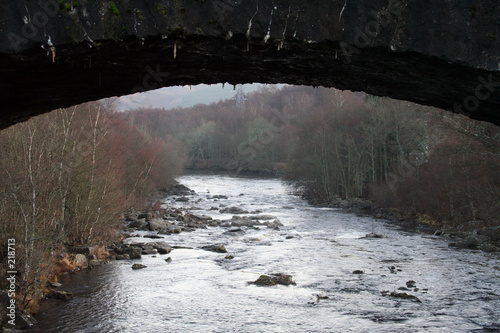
(475, 235)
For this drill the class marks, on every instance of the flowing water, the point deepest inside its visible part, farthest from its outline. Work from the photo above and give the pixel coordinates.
(200, 291)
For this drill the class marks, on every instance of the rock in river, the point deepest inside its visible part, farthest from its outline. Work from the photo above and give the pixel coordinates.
(133, 252)
(138, 266)
(274, 279)
(215, 248)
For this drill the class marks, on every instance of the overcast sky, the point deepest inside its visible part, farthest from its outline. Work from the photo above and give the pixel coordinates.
(184, 96)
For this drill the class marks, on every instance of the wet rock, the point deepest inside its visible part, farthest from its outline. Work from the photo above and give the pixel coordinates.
(411, 284)
(289, 237)
(138, 224)
(168, 259)
(133, 252)
(229, 257)
(122, 257)
(214, 223)
(274, 225)
(182, 199)
(81, 260)
(55, 284)
(59, 294)
(274, 279)
(146, 216)
(176, 230)
(149, 250)
(374, 235)
(235, 232)
(358, 272)
(243, 221)
(488, 247)
(178, 189)
(215, 248)
(263, 217)
(218, 197)
(198, 218)
(401, 295)
(471, 242)
(233, 210)
(95, 262)
(153, 236)
(138, 266)
(158, 224)
(161, 247)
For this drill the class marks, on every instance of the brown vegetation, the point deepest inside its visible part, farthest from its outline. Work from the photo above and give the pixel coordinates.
(67, 176)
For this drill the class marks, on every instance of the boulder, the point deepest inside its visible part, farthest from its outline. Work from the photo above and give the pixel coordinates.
(275, 224)
(146, 216)
(243, 221)
(374, 235)
(149, 250)
(153, 236)
(138, 266)
(95, 262)
(176, 230)
(178, 189)
(215, 248)
(158, 224)
(233, 210)
(59, 294)
(274, 279)
(263, 217)
(138, 224)
(122, 257)
(218, 197)
(411, 284)
(81, 260)
(396, 294)
(161, 247)
(133, 252)
(234, 232)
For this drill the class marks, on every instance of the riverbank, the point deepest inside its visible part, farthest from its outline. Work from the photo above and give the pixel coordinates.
(208, 281)
(474, 235)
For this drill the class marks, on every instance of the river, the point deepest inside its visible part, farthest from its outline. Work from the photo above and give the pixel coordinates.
(201, 291)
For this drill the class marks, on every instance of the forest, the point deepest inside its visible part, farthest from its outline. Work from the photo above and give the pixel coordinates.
(332, 145)
(69, 176)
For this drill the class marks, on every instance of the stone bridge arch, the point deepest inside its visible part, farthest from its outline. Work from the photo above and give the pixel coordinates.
(57, 53)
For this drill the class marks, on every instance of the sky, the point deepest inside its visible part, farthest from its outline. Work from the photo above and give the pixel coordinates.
(181, 96)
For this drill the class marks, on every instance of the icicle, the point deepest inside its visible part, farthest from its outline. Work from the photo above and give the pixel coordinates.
(266, 38)
(250, 23)
(342, 11)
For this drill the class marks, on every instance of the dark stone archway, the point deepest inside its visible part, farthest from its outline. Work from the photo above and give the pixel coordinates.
(60, 53)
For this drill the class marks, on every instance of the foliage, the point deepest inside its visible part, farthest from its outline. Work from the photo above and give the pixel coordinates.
(67, 176)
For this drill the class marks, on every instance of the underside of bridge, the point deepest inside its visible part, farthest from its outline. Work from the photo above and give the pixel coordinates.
(58, 53)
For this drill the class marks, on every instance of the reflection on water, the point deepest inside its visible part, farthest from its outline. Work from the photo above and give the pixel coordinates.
(201, 291)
